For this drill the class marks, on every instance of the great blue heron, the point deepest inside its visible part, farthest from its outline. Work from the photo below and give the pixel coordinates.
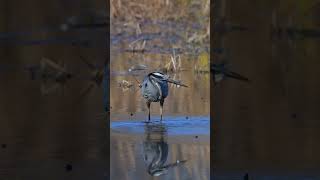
(154, 88)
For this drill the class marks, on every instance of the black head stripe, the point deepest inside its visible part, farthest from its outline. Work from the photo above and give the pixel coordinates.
(157, 75)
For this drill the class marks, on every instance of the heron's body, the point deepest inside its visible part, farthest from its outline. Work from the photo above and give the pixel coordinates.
(154, 88)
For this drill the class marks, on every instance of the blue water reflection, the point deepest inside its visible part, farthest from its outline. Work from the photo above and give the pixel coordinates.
(176, 125)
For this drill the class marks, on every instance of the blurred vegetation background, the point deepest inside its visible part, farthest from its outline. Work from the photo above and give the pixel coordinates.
(272, 124)
(54, 136)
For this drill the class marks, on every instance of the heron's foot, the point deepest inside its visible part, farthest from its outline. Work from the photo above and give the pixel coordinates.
(148, 121)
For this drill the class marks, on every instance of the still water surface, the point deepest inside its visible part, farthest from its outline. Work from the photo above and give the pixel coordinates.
(173, 149)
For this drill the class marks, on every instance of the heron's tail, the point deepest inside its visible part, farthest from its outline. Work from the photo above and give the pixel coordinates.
(176, 82)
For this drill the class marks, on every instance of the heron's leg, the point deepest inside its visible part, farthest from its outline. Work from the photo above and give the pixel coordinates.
(161, 108)
(148, 104)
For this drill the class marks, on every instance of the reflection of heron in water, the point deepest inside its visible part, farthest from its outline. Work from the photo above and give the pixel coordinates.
(155, 150)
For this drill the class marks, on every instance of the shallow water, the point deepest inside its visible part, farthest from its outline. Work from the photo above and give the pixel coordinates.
(184, 131)
(174, 125)
(141, 149)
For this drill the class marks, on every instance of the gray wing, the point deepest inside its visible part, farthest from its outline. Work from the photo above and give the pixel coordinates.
(149, 91)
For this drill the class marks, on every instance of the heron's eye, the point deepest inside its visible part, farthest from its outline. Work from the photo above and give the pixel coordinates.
(145, 85)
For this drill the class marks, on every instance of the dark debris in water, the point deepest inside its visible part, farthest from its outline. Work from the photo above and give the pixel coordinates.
(3, 146)
(68, 167)
(246, 176)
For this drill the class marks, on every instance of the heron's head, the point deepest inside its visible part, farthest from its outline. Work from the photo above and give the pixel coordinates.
(160, 170)
(157, 171)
